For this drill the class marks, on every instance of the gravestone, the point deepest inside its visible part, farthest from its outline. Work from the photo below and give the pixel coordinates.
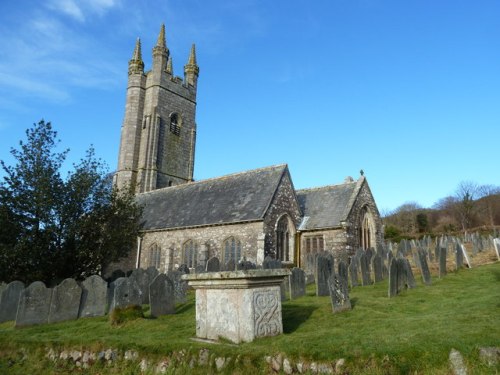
(324, 269)
(94, 297)
(246, 265)
(297, 281)
(496, 244)
(200, 268)
(230, 265)
(393, 278)
(459, 257)
(369, 255)
(141, 278)
(442, 261)
(365, 270)
(152, 272)
(271, 263)
(377, 267)
(162, 296)
(65, 301)
(213, 265)
(180, 286)
(426, 274)
(338, 294)
(34, 305)
(310, 263)
(343, 272)
(410, 279)
(116, 275)
(401, 274)
(184, 269)
(126, 293)
(466, 257)
(353, 272)
(9, 299)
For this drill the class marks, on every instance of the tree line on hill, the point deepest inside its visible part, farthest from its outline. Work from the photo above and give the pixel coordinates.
(52, 227)
(472, 207)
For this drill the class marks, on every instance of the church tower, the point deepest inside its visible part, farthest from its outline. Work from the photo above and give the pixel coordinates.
(158, 134)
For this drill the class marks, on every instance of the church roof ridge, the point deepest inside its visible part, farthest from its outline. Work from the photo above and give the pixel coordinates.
(214, 179)
(325, 186)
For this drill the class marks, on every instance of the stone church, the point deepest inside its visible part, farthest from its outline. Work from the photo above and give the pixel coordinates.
(247, 215)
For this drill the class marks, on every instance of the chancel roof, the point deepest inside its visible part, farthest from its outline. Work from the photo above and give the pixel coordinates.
(327, 206)
(234, 198)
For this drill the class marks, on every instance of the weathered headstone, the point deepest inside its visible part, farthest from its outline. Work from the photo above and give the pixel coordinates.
(230, 265)
(393, 278)
(297, 282)
(180, 286)
(353, 272)
(459, 257)
(9, 299)
(245, 265)
(377, 267)
(410, 279)
(34, 305)
(126, 293)
(213, 265)
(338, 294)
(426, 274)
(369, 254)
(152, 272)
(442, 261)
(141, 278)
(200, 268)
(116, 275)
(465, 256)
(162, 296)
(324, 269)
(184, 269)
(94, 297)
(365, 270)
(343, 271)
(401, 274)
(271, 263)
(65, 301)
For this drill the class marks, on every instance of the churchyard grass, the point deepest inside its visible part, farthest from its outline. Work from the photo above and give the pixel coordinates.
(411, 333)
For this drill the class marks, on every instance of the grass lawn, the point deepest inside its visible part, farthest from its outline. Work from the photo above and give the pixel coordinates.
(411, 333)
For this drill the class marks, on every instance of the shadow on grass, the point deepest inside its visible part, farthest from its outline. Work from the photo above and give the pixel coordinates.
(184, 307)
(295, 315)
(354, 301)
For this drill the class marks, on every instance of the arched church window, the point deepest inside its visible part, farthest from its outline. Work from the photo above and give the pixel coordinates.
(232, 249)
(283, 239)
(154, 256)
(190, 254)
(365, 229)
(175, 124)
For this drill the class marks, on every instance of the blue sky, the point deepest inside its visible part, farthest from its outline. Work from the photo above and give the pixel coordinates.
(408, 91)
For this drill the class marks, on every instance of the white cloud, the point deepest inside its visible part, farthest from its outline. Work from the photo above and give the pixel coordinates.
(68, 7)
(81, 10)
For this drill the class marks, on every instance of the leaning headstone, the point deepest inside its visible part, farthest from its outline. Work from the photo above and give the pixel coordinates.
(465, 256)
(338, 294)
(459, 257)
(34, 305)
(377, 267)
(442, 261)
(365, 270)
(162, 296)
(496, 243)
(297, 282)
(9, 299)
(180, 286)
(426, 274)
(324, 269)
(94, 297)
(141, 278)
(410, 279)
(213, 265)
(65, 301)
(393, 278)
(353, 272)
(126, 293)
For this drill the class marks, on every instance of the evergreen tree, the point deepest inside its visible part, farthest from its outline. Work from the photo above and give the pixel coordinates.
(53, 228)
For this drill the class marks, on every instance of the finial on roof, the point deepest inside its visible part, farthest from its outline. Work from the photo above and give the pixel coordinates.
(192, 55)
(191, 69)
(361, 172)
(161, 42)
(170, 69)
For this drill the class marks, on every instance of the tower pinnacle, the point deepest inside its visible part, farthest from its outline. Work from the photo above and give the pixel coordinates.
(191, 69)
(136, 65)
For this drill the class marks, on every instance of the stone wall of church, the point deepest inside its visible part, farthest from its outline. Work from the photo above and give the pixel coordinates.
(335, 241)
(209, 241)
(284, 202)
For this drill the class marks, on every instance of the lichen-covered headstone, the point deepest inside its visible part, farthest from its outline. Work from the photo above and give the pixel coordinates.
(126, 293)
(353, 272)
(410, 279)
(213, 265)
(152, 272)
(141, 277)
(365, 270)
(271, 263)
(34, 305)
(246, 265)
(442, 261)
(426, 274)
(94, 297)
(338, 294)
(343, 272)
(9, 300)
(65, 301)
(162, 296)
(393, 278)
(297, 282)
(180, 286)
(324, 269)
(377, 267)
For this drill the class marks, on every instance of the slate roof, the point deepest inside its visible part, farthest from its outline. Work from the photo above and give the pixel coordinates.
(234, 198)
(327, 206)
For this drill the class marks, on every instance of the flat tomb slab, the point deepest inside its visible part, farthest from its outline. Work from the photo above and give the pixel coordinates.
(239, 305)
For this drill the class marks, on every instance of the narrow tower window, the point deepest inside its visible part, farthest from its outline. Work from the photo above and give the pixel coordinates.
(175, 126)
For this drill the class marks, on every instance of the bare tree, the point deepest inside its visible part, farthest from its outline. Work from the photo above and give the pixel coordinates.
(489, 202)
(466, 194)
